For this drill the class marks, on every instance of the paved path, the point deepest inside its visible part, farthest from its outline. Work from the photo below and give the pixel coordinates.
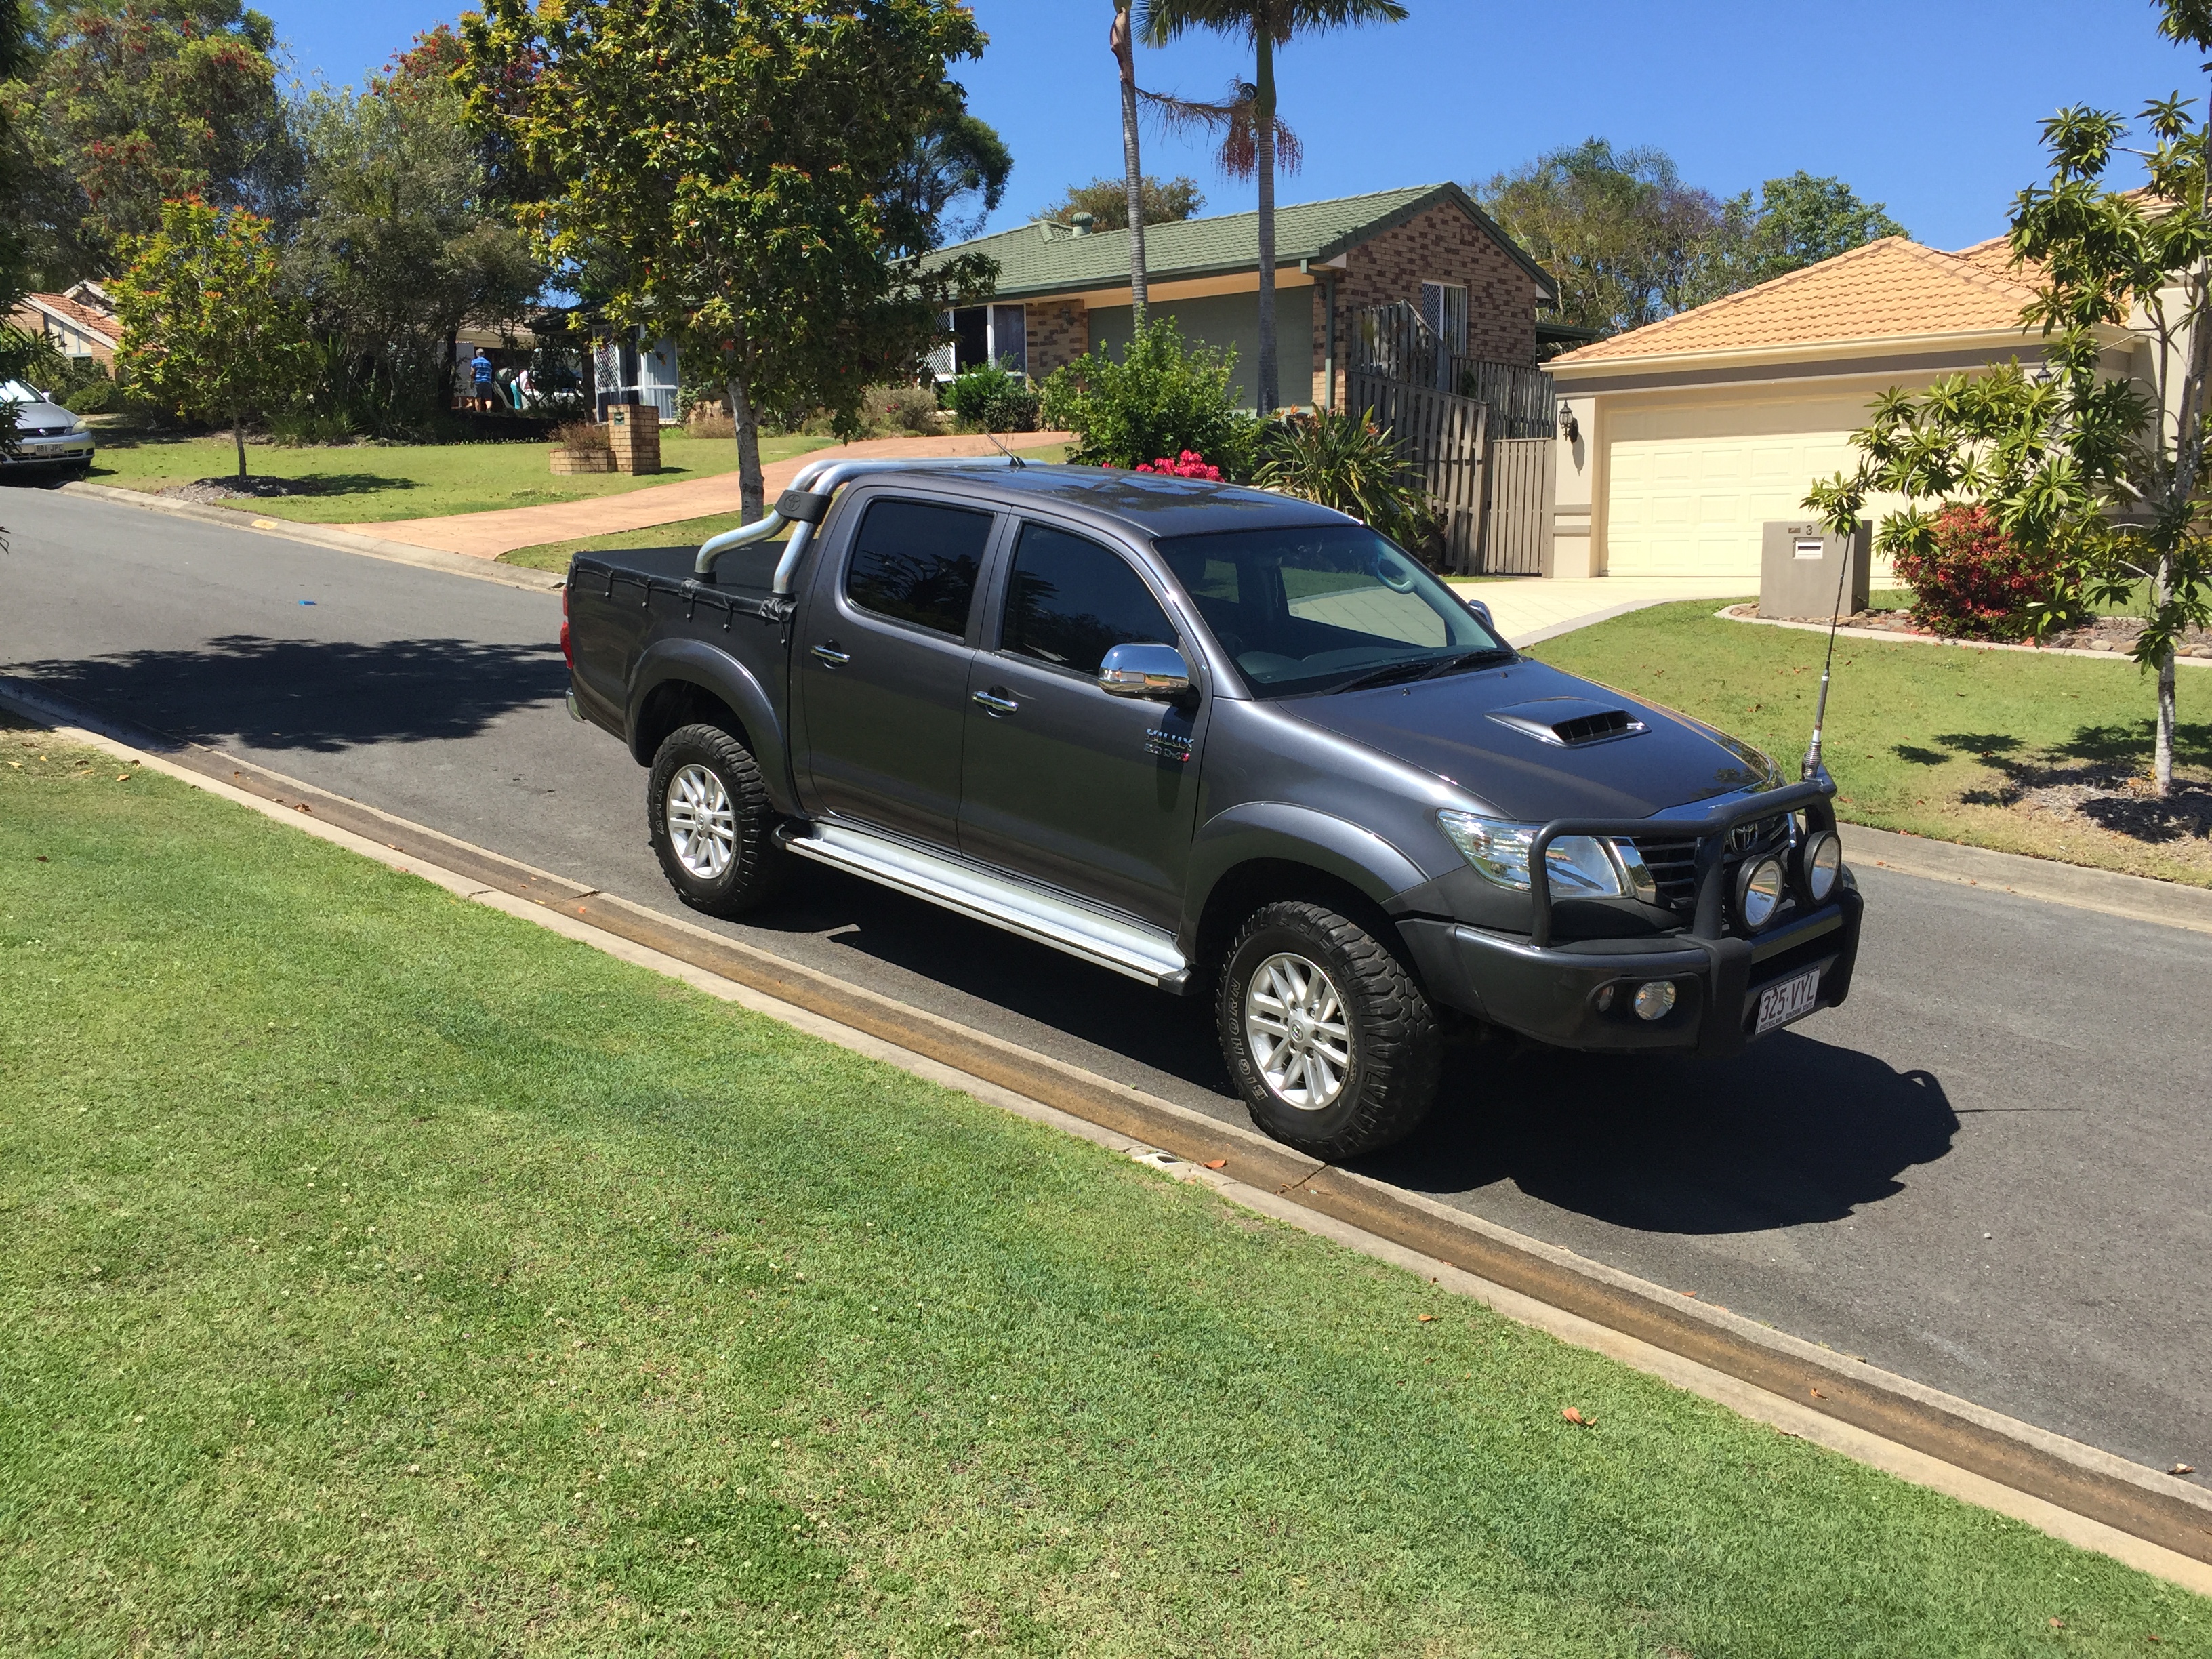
(1987, 1172)
(487, 535)
(1533, 609)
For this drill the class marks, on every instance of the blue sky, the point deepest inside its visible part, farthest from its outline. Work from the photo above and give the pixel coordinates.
(1930, 107)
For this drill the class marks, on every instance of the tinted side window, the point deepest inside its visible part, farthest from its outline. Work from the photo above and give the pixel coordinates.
(1069, 601)
(918, 563)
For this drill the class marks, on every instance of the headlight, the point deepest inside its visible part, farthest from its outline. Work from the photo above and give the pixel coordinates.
(1823, 863)
(1574, 864)
(1758, 888)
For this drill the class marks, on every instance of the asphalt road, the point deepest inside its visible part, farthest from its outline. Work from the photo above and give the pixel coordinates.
(1989, 1171)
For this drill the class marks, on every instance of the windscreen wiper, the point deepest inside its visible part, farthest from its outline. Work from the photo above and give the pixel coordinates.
(1389, 674)
(1488, 656)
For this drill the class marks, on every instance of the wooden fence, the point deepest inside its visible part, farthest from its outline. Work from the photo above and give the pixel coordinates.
(1516, 535)
(1523, 402)
(1443, 440)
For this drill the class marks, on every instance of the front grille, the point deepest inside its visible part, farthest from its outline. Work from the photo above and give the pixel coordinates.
(40, 431)
(1672, 861)
(1672, 865)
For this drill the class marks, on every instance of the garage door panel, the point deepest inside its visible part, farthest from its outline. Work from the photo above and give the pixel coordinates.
(1694, 504)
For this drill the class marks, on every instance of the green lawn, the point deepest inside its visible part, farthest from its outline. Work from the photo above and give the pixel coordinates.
(361, 483)
(385, 1275)
(554, 555)
(1920, 738)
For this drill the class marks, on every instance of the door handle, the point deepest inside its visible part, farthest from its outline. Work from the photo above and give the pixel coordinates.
(995, 703)
(828, 652)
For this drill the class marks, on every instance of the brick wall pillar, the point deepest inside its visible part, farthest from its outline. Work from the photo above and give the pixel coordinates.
(634, 431)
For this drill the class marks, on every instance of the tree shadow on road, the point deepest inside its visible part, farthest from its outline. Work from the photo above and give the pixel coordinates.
(1792, 1131)
(317, 695)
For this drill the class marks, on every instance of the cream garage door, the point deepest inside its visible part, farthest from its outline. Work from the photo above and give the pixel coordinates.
(1690, 488)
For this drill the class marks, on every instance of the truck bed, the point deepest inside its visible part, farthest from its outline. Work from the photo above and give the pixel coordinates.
(744, 572)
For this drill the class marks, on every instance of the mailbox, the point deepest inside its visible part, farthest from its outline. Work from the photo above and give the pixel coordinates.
(1799, 564)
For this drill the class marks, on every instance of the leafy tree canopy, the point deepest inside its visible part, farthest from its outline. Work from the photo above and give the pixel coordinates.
(962, 160)
(401, 242)
(1628, 242)
(128, 103)
(715, 170)
(1107, 202)
(207, 328)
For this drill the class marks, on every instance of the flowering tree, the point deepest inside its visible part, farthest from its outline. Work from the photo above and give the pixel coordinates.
(2105, 478)
(206, 327)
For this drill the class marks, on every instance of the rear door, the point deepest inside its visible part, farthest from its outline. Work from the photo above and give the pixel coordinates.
(1091, 793)
(880, 662)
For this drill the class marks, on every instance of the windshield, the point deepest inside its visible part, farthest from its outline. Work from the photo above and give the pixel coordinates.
(14, 392)
(1319, 607)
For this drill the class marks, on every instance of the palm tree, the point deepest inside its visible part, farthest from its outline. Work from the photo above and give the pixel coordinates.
(1267, 24)
(1130, 165)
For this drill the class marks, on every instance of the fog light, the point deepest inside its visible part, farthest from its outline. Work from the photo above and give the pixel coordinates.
(1759, 893)
(1655, 1000)
(1824, 864)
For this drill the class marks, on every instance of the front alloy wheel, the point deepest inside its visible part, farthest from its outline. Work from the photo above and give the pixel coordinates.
(1326, 1032)
(1296, 1028)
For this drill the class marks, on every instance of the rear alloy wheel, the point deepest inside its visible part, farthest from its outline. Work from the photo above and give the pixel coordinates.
(1330, 1038)
(708, 810)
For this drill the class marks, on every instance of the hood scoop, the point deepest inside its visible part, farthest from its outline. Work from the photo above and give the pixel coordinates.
(1568, 722)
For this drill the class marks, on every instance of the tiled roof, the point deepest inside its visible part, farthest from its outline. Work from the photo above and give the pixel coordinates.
(1041, 258)
(98, 325)
(1890, 288)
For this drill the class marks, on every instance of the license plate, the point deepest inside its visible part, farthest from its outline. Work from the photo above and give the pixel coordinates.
(1793, 999)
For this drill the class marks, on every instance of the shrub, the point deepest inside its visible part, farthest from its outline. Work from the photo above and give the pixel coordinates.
(913, 409)
(1347, 462)
(584, 438)
(1969, 581)
(93, 397)
(993, 399)
(706, 420)
(1161, 398)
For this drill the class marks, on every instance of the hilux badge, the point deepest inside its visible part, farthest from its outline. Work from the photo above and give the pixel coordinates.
(1167, 744)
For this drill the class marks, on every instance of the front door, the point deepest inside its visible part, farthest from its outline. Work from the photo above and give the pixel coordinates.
(881, 664)
(1092, 793)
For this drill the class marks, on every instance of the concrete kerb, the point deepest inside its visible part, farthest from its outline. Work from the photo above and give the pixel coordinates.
(344, 541)
(2087, 1497)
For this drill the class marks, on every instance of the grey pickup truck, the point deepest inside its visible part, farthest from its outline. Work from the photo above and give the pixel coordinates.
(1225, 742)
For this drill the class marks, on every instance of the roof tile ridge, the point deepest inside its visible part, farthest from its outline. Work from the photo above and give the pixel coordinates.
(1957, 265)
(1596, 347)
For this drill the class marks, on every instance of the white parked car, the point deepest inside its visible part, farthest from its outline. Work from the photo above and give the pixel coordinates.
(48, 436)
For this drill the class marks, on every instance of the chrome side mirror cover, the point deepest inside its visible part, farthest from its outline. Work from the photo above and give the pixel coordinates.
(1144, 671)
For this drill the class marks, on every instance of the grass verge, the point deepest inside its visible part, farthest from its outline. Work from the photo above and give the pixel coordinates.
(385, 1275)
(1986, 747)
(372, 482)
(554, 555)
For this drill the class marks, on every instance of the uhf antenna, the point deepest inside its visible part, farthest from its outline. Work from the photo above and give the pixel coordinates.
(1820, 710)
(1006, 452)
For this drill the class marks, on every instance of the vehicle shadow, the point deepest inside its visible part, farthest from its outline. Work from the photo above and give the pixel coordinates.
(320, 695)
(1794, 1130)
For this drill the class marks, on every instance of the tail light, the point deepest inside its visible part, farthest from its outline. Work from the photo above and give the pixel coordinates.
(568, 650)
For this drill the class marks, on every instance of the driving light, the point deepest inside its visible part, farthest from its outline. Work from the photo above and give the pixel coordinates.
(1758, 888)
(1823, 859)
(1655, 1000)
(1574, 864)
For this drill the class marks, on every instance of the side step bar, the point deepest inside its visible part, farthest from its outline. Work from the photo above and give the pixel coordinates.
(1126, 947)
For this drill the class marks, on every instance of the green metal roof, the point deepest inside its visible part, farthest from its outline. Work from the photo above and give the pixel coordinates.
(1042, 258)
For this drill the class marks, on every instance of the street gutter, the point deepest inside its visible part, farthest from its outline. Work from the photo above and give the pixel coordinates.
(2088, 1497)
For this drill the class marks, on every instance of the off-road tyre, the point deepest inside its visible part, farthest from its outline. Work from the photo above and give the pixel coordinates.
(755, 868)
(1395, 1046)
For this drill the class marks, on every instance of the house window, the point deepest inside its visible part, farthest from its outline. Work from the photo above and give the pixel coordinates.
(980, 335)
(1444, 309)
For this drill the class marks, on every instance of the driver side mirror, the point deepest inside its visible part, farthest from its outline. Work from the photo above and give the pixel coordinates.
(1482, 615)
(1144, 671)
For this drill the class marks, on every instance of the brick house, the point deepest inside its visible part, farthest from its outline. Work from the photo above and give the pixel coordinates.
(1064, 289)
(80, 322)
